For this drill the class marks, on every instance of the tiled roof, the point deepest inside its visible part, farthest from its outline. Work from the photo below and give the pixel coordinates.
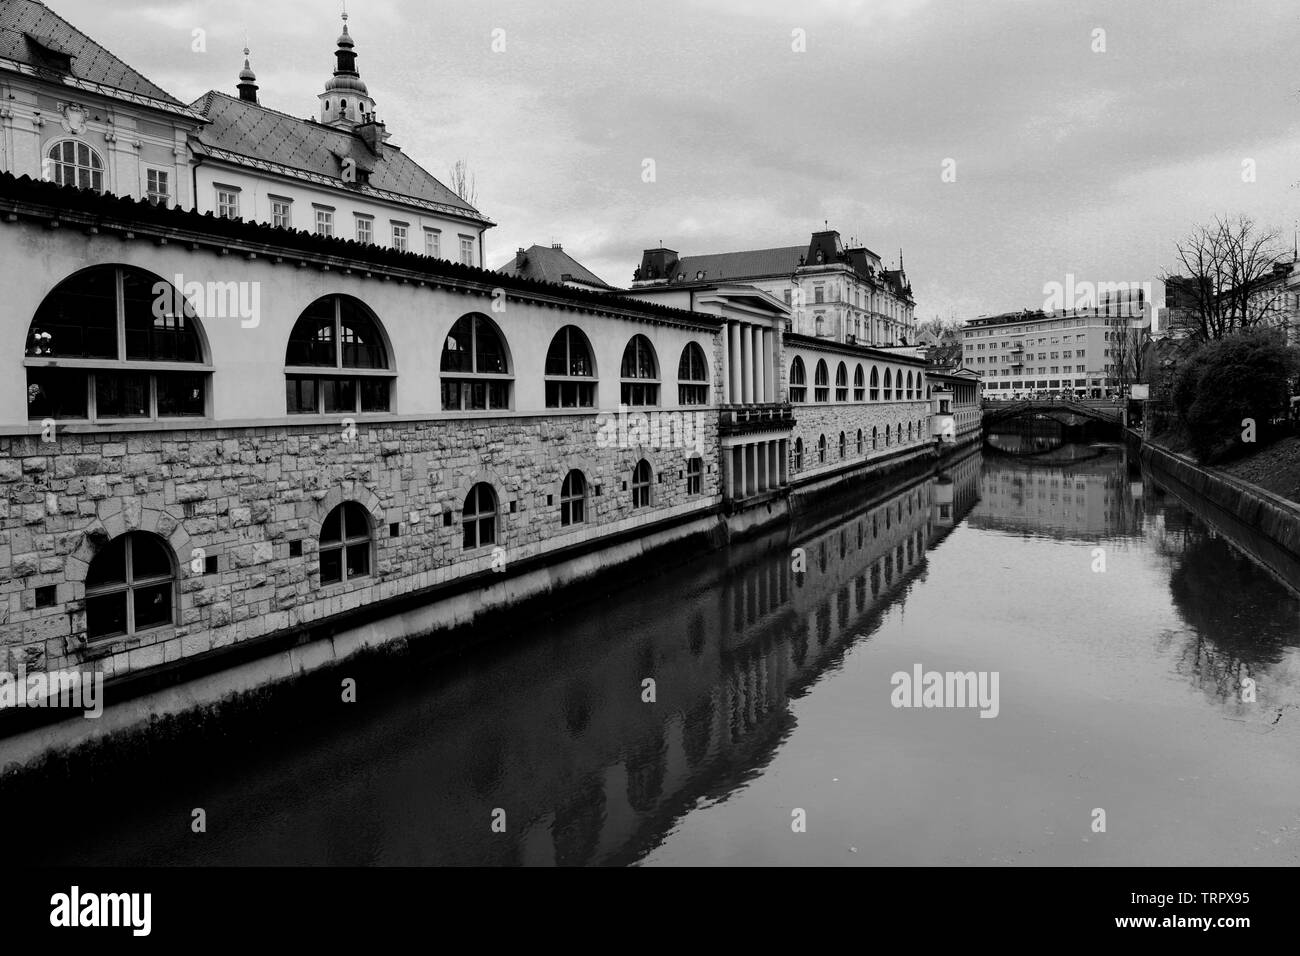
(25, 21)
(742, 265)
(248, 133)
(550, 264)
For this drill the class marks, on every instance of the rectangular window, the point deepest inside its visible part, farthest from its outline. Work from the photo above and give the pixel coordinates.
(227, 203)
(324, 221)
(399, 236)
(694, 476)
(159, 192)
(281, 213)
(365, 230)
(467, 250)
(121, 395)
(433, 243)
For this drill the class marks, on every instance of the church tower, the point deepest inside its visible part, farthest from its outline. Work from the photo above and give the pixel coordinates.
(346, 102)
(247, 81)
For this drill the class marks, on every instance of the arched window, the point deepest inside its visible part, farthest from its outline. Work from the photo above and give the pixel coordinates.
(875, 438)
(345, 544)
(639, 373)
(336, 362)
(479, 517)
(73, 163)
(821, 450)
(821, 382)
(909, 431)
(570, 371)
(898, 438)
(860, 442)
(889, 385)
(798, 454)
(695, 475)
(641, 483)
(692, 377)
(909, 386)
(844, 447)
(475, 366)
(798, 381)
(573, 499)
(875, 384)
(859, 385)
(91, 332)
(888, 436)
(842, 383)
(130, 586)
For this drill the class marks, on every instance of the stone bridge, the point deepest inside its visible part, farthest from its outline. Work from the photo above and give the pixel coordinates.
(1065, 411)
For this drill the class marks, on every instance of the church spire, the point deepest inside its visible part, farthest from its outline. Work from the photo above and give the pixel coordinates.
(247, 81)
(346, 101)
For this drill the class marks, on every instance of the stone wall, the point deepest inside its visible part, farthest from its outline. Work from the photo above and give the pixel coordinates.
(814, 420)
(242, 495)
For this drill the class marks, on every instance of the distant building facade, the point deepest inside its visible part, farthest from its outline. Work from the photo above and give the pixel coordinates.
(842, 294)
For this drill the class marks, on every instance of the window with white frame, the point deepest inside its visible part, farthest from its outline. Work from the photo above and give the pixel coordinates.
(324, 221)
(227, 202)
(72, 163)
(365, 229)
(399, 236)
(467, 250)
(281, 213)
(433, 243)
(157, 186)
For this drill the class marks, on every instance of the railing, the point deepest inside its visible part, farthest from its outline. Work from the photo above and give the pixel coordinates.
(737, 419)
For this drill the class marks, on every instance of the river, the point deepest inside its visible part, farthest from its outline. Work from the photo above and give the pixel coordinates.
(1118, 624)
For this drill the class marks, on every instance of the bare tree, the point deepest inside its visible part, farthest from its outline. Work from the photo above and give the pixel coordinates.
(464, 182)
(1225, 268)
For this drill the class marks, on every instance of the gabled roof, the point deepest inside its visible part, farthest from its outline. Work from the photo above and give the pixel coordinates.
(250, 134)
(30, 32)
(754, 264)
(551, 264)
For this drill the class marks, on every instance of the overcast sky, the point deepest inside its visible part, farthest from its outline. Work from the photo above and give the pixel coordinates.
(1067, 160)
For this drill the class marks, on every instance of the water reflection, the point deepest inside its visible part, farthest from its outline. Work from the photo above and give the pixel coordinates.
(552, 727)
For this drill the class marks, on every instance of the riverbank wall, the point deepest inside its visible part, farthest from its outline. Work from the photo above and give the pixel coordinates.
(1262, 524)
(443, 618)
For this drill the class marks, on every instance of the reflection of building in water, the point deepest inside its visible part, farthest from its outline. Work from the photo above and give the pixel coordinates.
(956, 490)
(1085, 498)
(722, 702)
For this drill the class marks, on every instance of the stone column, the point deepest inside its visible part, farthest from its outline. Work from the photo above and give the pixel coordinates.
(725, 396)
(742, 479)
(733, 356)
(771, 376)
(760, 469)
(747, 366)
(760, 365)
(783, 460)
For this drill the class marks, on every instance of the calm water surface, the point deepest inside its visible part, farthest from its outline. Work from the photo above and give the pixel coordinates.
(1119, 690)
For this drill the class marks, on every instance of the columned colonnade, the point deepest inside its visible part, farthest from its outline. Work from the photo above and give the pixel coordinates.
(750, 360)
(756, 467)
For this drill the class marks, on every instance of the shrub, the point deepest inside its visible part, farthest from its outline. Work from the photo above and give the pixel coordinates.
(1228, 381)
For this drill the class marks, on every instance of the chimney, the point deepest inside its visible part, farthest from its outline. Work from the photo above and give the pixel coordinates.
(556, 245)
(521, 257)
(374, 133)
